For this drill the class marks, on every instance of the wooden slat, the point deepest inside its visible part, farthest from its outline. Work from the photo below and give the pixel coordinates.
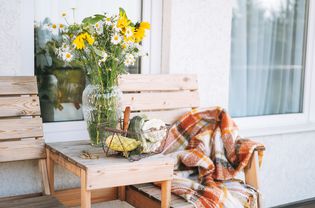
(61, 160)
(103, 177)
(161, 100)
(154, 192)
(16, 85)
(151, 197)
(35, 202)
(19, 106)
(71, 197)
(168, 116)
(22, 150)
(20, 128)
(158, 82)
(138, 200)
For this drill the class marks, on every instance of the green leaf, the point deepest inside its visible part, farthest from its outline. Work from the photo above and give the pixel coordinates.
(96, 19)
(100, 15)
(122, 12)
(98, 52)
(86, 20)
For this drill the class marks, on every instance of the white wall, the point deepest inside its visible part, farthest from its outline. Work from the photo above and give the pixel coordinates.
(16, 59)
(199, 43)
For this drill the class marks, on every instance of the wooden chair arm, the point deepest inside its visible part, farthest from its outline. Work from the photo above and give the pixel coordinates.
(252, 172)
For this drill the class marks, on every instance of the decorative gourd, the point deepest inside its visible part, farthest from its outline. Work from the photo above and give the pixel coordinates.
(149, 132)
(121, 143)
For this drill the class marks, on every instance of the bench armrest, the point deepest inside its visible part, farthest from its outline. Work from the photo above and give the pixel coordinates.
(252, 172)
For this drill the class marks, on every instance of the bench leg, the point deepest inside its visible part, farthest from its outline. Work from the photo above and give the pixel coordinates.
(122, 193)
(43, 170)
(252, 175)
(51, 172)
(166, 194)
(85, 194)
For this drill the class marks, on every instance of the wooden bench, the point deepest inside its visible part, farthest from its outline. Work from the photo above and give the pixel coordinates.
(21, 136)
(165, 97)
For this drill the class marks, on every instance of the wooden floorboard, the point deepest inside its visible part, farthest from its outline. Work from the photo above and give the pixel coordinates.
(35, 202)
(307, 203)
(110, 204)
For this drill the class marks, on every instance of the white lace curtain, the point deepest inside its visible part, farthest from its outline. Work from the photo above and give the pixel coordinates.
(267, 57)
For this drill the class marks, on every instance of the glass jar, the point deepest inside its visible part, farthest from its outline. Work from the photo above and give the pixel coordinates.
(100, 107)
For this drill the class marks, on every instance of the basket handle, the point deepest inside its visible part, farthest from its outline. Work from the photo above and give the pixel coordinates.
(126, 118)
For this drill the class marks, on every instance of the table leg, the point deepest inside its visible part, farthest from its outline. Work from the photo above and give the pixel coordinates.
(51, 172)
(122, 193)
(85, 194)
(166, 194)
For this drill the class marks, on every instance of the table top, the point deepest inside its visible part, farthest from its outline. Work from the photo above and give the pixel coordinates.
(71, 151)
(107, 172)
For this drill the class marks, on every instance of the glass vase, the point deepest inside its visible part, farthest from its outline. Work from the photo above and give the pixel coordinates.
(100, 107)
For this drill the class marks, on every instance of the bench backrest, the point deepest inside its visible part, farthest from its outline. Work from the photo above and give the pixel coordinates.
(163, 96)
(21, 128)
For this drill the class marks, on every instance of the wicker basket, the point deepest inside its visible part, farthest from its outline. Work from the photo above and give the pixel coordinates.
(124, 123)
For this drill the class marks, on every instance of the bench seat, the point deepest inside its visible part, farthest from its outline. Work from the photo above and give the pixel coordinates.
(33, 202)
(149, 195)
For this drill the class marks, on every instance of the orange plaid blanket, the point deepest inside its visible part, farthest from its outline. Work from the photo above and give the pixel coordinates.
(206, 142)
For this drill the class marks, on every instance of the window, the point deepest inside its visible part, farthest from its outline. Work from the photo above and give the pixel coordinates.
(60, 87)
(268, 54)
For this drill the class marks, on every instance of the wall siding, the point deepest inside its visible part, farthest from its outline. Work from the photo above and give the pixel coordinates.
(10, 44)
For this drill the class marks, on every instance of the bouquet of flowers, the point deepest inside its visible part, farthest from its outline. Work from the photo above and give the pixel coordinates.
(104, 45)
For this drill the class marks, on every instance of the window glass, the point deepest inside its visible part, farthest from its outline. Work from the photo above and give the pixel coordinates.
(60, 86)
(267, 57)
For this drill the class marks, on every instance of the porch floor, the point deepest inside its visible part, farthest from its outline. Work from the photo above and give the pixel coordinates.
(307, 203)
(111, 204)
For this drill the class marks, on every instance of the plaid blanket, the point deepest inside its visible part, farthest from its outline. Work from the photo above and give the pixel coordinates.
(206, 143)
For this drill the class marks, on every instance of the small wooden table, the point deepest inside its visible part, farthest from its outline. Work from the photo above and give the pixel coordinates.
(108, 171)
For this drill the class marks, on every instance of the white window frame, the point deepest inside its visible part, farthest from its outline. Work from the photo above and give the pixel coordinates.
(295, 122)
(76, 130)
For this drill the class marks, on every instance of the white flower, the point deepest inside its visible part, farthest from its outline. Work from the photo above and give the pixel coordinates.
(115, 28)
(130, 60)
(130, 57)
(98, 27)
(116, 39)
(108, 21)
(54, 29)
(127, 62)
(62, 28)
(129, 32)
(67, 56)
(104, 55)
(65, 47)
(125, 46)
(103, 59)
